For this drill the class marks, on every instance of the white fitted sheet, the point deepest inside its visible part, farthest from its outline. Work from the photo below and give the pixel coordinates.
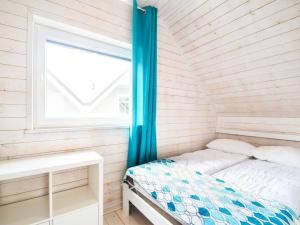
(269, 180)
(209, 161)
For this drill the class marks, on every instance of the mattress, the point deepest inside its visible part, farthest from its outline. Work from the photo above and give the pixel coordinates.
(195, 198)
(209, 161)
(269, 180)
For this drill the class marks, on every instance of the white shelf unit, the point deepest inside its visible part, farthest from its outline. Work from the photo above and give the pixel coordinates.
(78, 206)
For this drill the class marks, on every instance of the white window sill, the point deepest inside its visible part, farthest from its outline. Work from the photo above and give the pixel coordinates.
(74, 129)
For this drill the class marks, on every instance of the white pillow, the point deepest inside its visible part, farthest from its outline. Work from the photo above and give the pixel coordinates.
(279, 154)
(233, 146)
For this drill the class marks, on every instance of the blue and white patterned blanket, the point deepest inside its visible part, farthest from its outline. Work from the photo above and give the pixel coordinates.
(195, 198)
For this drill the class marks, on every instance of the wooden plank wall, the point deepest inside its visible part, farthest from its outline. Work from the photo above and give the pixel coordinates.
(185, 120)
(267, 127)
(258, 141)
(246, 53)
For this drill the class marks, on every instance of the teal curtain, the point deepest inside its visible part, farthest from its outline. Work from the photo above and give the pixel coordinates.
(142, 143)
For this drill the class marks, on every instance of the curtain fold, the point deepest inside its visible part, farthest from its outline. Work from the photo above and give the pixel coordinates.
(142, 143)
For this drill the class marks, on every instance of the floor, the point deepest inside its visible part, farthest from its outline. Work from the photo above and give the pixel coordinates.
(117, 218)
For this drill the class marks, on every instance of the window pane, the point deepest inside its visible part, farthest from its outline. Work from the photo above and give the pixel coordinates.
(85, 84)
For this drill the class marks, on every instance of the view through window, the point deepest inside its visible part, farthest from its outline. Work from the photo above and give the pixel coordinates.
(81, 83)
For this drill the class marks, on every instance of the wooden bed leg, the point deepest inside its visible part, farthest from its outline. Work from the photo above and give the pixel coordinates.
(125, 200)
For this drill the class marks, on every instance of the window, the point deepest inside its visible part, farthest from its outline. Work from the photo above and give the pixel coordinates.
(79, 81)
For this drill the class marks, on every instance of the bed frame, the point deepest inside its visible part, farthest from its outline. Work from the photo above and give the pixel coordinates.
(130, 196)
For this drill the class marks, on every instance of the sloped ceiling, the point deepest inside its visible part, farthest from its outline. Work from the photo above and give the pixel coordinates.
(245, 53)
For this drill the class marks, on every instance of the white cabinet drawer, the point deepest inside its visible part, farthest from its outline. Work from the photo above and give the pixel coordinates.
(84, 216)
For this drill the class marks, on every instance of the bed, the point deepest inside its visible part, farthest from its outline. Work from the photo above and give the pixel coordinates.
(209, 161)
(267, 179)
(183, 189)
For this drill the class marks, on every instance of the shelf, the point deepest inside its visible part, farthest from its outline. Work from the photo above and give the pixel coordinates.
(83, 202)
(25, 212)
(15, 168)
(70, 200)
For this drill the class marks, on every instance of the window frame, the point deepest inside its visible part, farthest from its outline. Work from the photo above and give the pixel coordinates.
(42, 30)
